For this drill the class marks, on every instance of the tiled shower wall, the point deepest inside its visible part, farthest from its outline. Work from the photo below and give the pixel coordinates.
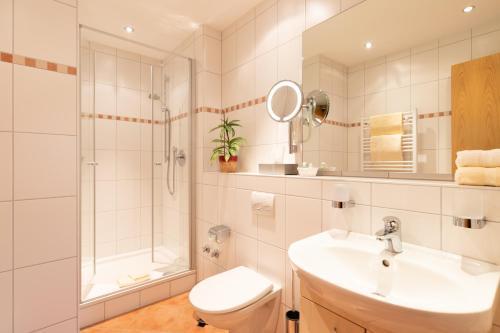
(38, 166)
(123, 139)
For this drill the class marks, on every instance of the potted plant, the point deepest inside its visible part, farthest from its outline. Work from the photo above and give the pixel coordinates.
(228, 145)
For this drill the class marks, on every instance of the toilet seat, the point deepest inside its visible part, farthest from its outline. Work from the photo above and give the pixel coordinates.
(229, 291)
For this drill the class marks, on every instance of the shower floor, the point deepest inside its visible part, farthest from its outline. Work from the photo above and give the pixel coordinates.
(110, 269)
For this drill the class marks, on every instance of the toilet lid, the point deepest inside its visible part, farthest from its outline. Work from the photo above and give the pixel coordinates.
(229, 291)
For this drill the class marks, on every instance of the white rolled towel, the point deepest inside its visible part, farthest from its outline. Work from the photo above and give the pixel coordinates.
(263, 203)
(478, 158)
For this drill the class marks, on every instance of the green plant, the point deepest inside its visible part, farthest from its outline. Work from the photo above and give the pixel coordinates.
(228, 144)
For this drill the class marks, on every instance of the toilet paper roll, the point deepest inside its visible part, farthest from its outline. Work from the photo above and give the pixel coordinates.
(263, 203)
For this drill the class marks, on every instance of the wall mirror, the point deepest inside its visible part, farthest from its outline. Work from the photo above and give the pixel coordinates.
(386, 66)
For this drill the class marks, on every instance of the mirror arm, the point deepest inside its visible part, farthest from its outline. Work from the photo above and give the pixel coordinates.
(292, 148)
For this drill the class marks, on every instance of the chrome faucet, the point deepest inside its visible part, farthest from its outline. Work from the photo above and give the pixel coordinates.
(391, 234)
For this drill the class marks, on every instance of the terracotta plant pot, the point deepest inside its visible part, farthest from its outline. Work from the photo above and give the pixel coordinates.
(230, 166)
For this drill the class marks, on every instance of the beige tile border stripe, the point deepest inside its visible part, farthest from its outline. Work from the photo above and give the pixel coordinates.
(130, 119)
(37, 63)
(263, 99)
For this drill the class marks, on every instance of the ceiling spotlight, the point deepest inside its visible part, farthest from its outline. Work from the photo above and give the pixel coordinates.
(469, 9)
(128, 29)
(368, 45)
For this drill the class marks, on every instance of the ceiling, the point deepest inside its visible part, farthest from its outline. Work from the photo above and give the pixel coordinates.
(392, 26)
(160, 23)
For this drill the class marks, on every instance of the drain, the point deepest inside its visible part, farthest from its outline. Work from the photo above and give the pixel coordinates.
(386, 263)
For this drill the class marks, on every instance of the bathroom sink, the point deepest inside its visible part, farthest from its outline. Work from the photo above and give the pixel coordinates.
(419, 290)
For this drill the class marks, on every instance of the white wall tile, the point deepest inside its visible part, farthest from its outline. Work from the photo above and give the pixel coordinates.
(425, 97)
(6, 25)
(445, 95)
(5, 166)
(266, 73)
(375, 104)
(105, 68)
(271, 263)
(229, 53)
(128, 102)
(428, 133)
(5, 90)
(290, 60)
(45, 166)
(398, 73)
(407, 197)
(246, 251)
(6, 228)
(128, 73)
(303, 187)
(424, 67)
(487, 44)
(452, 54)
(155, 293)
(105, 99)
(303, 218)
(360, 192)
(45, 230)
(182, 285)
(266, 30)
(120, 305)
(34, 286)
(375, 79)
(44, 108)
(6, 302)
(291, 19)
(64, 327)
(105, 134)
(45, 29)
(355, 218)
(245, 43)
(91, 315)
(262, 184)
(271, 229)
(318, 11)
(416, 228)
(128, 135)
(480, 244)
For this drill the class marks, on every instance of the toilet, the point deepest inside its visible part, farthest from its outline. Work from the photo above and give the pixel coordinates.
(239, 300)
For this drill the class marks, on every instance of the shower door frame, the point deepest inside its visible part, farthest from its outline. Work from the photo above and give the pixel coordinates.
(191, 186)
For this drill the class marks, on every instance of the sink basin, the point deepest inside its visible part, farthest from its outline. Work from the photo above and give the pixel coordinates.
(419, 290)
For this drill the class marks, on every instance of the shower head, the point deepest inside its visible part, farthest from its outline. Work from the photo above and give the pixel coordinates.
(154, 97)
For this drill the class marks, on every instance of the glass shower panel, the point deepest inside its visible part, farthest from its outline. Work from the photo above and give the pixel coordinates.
(133, 230)
(172, 166)
(87, 170)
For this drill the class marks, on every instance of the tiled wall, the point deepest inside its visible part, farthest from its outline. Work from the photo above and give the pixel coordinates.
(122, 133)
(38, 166)
(303, 207)
(417, 78)
(328, 142)
(260, 48)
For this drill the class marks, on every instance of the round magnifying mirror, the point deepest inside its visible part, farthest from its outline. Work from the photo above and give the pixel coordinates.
(318, 105)
(284, 101)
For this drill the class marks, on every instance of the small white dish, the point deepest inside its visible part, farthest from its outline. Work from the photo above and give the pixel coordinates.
(307, 171)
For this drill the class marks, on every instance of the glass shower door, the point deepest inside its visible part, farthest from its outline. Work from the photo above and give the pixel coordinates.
(87, 171)
(172, 167)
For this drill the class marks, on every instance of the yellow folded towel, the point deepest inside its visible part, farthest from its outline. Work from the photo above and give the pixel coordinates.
(386, 124)
(478, 158)
(478, 176)
(140, 277)
(386, 148)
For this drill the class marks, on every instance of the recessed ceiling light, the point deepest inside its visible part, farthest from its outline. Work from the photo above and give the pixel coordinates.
(368, 45)
(128, 29)
(469, 9)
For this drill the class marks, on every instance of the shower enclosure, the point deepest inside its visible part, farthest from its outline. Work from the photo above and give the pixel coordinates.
(135, 164)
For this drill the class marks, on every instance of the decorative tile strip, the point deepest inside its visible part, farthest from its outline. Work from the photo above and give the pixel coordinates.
(130, 119)
(37, 63)
(434, 115)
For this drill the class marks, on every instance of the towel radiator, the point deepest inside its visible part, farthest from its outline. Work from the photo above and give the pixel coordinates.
(408, 146)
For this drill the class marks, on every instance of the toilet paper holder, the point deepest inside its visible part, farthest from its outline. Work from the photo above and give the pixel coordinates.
(219, 233)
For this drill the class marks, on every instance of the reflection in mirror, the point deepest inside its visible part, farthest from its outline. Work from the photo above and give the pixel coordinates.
(404, 76)
(318, 106)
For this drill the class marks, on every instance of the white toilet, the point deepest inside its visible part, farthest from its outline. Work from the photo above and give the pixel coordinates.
(239, 300)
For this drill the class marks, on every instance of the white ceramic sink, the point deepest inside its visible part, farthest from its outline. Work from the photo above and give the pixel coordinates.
(419, 290)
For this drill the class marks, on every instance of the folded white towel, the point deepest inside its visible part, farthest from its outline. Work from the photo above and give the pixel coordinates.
(478, 158)
(262, 203)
